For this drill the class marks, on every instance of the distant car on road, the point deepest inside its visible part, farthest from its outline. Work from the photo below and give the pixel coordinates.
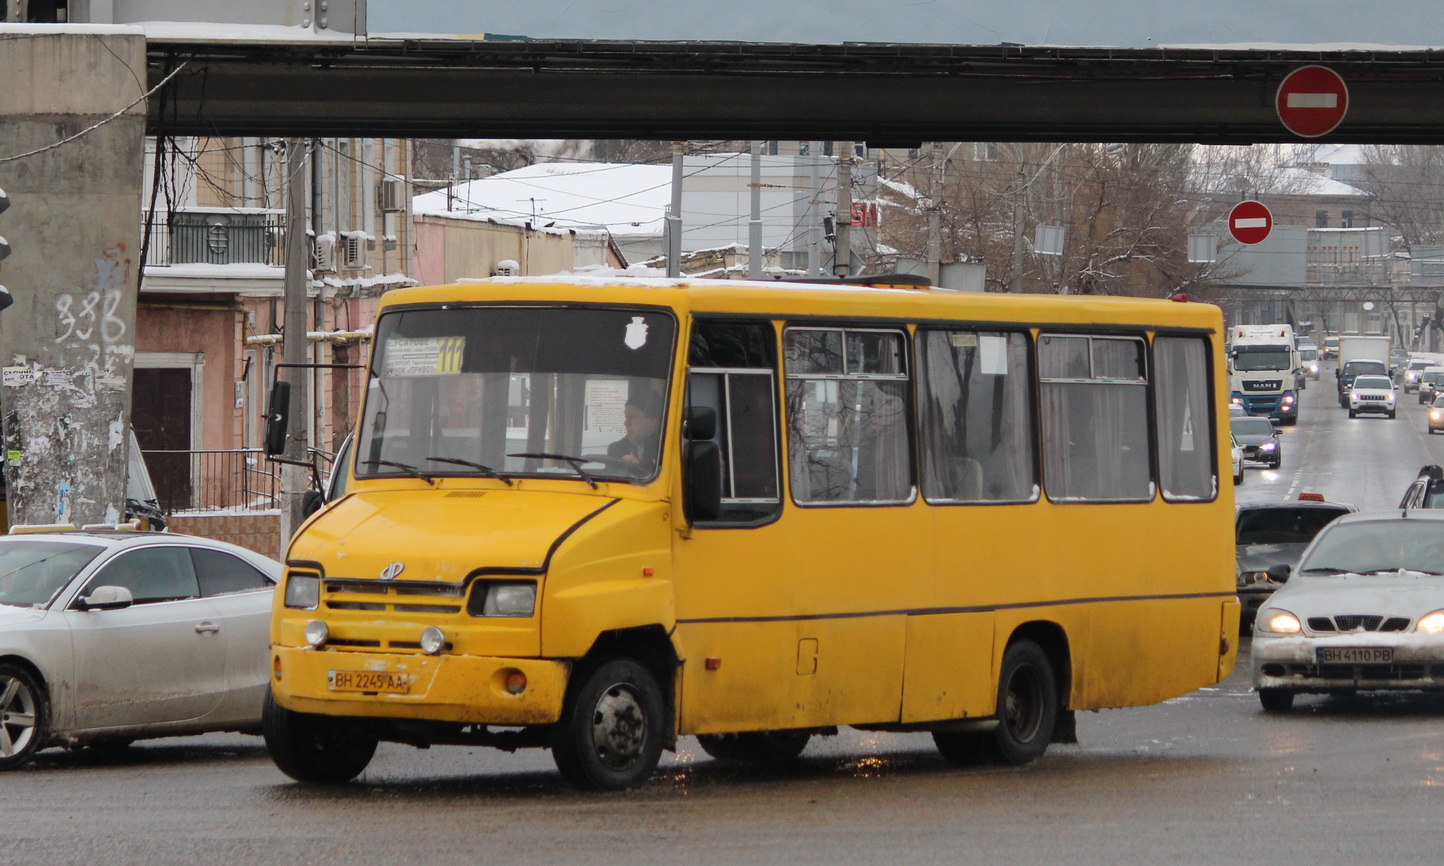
(1429, 383)
(1364, 611)
(1436, 414)
(1237, 451)
(112, 636)
(1269, 534)
(1416, 367)
(1374, 394)
(1260, 440)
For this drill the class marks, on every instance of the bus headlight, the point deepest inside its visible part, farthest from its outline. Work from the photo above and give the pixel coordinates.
(498, 598)
(303, 591)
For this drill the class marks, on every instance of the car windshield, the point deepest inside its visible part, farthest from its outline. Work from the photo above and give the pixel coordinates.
(517, 390)
(1284, 525)
(1252, 427)
(32, 572)
(1418, 365)
(1432, 376)
(1377, 546)
(1249, 358)
(1309, 354)
(1380, 382)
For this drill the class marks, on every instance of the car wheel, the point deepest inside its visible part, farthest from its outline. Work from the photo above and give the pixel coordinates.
(1276, 700)
(24, 716)
(1027, 705)
(1391, 414)
(1353, 414)
(1238, 476)
(757, 747)
(311, 748)
(612, 727)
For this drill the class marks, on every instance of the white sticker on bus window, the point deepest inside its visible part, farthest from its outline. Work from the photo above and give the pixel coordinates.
(993, 355)
(424, 356)
(963, 341)
(606, 405)
(636, 336)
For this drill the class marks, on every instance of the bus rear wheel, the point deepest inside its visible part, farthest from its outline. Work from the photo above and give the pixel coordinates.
(612, 727)
(314, 749)
(756, 747)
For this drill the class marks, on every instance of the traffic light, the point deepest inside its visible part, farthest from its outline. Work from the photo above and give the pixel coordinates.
(5, 297)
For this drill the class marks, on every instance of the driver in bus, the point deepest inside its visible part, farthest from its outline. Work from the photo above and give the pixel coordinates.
(642, 419)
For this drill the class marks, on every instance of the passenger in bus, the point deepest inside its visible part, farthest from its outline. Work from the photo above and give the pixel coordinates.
(642, 419)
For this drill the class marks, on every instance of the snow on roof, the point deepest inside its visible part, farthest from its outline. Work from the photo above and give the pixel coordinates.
(628, 200)
(1306, 182)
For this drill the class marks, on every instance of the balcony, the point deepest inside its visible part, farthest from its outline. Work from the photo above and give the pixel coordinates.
(218, 236)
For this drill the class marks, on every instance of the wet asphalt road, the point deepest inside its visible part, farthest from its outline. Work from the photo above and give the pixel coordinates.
(1205, 778)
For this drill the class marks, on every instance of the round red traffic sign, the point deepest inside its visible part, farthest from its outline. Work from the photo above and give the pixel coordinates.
(1250, 222)
(1311, 101)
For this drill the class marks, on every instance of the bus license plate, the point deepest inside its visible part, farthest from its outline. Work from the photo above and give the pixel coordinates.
(1381, 655)
(369, 681)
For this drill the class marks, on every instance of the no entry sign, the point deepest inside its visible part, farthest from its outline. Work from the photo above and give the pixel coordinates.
(1250, 222)
(1311, 101)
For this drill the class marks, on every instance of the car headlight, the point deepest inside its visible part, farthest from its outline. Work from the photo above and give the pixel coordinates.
(1431, 623)
(1267, 446)
(1435, 414)
(303, 591)
(1278, 621)
(497, 598)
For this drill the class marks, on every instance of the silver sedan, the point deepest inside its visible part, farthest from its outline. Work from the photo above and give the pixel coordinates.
(112, 636)
(1363, 611)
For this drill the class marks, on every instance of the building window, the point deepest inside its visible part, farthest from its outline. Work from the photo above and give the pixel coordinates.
(1346, 219)
(1321, 219)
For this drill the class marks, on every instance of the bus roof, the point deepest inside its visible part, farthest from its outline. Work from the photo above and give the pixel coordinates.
(822, 300)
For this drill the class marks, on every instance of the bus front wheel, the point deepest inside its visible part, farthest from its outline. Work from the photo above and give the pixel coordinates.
(314, 748)
(612, 727)
(1027, 705)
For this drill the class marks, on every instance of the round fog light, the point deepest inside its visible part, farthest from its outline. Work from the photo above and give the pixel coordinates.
(432, 640)
(316, 633)
(516, 682)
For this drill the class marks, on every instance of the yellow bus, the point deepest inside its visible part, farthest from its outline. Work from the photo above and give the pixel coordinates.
(596, 515)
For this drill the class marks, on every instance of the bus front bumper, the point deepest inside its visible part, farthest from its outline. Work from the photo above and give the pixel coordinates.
(442, 688)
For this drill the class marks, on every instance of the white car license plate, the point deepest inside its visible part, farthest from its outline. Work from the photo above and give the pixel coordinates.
(369, 681)
(1378, 655)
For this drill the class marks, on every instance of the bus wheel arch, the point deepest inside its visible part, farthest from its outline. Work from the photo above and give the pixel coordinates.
(1034, 650)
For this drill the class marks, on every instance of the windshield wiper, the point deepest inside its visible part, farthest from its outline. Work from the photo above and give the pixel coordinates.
(1326, 570)
(484, 470)
(409, 470)
(575, 463)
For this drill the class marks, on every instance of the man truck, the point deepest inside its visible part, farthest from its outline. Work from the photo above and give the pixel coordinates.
(1263, 364)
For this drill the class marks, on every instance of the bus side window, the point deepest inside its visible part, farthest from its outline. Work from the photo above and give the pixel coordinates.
(733, 372)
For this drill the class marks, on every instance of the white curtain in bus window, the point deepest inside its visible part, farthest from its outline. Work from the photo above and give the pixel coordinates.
(976, 417)
(1181, 403)
(1094, 418)
(847, 415)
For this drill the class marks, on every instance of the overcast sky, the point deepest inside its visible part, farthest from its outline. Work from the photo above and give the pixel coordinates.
(1144, 24)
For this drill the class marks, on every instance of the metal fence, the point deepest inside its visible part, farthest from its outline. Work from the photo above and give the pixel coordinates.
(218, 237)
(239, 480)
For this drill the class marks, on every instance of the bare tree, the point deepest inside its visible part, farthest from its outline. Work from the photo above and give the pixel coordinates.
(1403, 183)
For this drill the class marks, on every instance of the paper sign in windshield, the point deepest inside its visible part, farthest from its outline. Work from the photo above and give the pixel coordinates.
(424, 356)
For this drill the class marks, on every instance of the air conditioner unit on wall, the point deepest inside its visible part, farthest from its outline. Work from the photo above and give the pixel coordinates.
(391, 194)
(324, 260)
(354, 249)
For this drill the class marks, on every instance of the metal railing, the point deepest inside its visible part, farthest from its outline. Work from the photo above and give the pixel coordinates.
(220, 236)
(241, 480)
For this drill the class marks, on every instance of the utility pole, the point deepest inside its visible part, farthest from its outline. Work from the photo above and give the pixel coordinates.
(935, 229)
(1016, 285)
(293, 344)
(674, 214)
(842, 247)
(814, 221)
(755, 252)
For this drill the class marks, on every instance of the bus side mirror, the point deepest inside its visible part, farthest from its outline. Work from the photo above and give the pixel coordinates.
(278, 409)
(702, 481)
(699, 423)
(311, 502)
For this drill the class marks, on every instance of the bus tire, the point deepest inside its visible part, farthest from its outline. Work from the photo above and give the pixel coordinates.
(612, 727)
(756, 747)
(1027, 705)
(24, 716)
(315, 749)
(1276, 700)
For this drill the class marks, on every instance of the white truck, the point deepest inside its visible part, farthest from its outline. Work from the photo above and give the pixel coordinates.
(1361, 353)
(1263, 371)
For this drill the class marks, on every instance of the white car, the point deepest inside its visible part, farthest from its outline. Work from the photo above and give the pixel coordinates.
(1237, 452)
(112, 636)
(1363, 611)
(1372, 394)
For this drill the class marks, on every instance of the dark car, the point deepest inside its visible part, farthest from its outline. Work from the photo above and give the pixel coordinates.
(1267, 534)
(1259, 440)
(1424, 491)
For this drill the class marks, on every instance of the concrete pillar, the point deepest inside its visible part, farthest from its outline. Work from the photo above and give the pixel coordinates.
(67, 345)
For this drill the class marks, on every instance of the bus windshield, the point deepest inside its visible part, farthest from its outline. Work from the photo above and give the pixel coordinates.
(489, 391)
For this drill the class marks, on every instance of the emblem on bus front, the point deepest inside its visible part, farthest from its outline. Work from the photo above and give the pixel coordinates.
(390, 571)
